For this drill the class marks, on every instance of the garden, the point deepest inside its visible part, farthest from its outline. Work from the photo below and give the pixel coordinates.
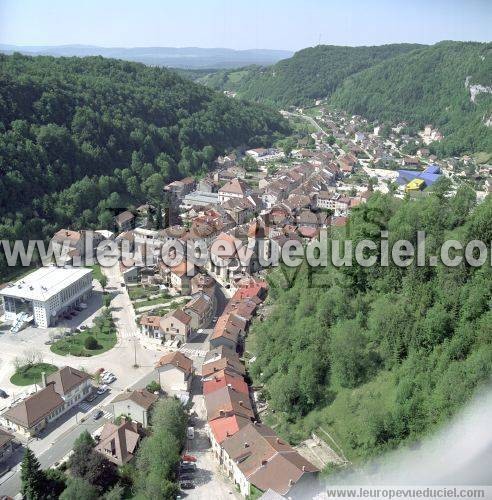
(91, 342)
(29, 374)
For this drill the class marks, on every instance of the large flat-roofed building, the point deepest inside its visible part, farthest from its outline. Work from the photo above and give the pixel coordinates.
(46, 294)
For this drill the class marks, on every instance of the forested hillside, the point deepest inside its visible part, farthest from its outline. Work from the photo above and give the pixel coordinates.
(431, 85)
(382, 355)
(309, 74)
(78, 136)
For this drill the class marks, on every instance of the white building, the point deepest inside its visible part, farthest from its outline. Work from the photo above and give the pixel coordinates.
(46, 294)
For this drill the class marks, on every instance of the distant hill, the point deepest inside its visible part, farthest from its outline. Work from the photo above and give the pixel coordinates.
(448, 85)
(185, 57)
(309, 74)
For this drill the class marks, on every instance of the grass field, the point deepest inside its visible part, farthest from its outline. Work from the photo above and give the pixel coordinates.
(31, 374)
(103, 331)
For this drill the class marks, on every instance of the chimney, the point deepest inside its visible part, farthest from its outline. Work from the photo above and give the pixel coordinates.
(303, 468)
(241, 403)
(278, 440)
(43, 379)
(291, 482)
(246, 445)
(229, 385)
(264, 462)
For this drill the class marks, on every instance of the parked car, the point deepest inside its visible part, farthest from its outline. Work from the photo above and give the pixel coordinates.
(188, 458)
(48, 342)
(102, 389)
(98, 415)
(91, 397)
(3, 394)
(109, 380)
(188, 466)
(190, 432)
(186, 485)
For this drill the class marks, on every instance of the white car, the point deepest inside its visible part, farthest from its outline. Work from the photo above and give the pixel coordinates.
(109, 380)
(102, 389)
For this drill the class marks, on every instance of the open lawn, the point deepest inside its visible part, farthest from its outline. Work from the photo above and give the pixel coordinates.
(103, 331)
(139, 292)
(151, 302)
(31, 374)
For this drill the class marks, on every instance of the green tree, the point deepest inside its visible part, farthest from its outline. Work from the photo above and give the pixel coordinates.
(33, 480)
(91, 343)
(79, 489)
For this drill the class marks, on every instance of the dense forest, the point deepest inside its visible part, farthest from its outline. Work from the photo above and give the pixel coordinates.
(379, 356)
(309, 74)
(79, 136)
(391, 83)
(431, 85)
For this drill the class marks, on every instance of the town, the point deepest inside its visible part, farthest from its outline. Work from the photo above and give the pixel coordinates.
(96, 348)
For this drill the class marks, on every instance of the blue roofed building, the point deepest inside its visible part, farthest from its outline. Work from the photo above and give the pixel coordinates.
(430, 175)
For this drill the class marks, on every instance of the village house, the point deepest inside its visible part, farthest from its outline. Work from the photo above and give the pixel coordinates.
(6, 445)
(201, 310)
(239, 209)
(119, 443)
(257, 153)
(227, 401)
(230, 258)
(135, 404)
(178, 189)
(256, 456)
(409, 161)
(129, 271)
(178, 276)
(227, 331)
(150, 326)
(61, 391)
(236, 188)
(229, 364)
(175, 373)
(81, 244)
(176, 325)
(125, 220)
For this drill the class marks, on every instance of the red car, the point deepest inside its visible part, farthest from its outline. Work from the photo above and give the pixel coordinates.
(188, 458)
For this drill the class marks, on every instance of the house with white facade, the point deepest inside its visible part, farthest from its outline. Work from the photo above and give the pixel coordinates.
(61, 391)
(175, 372)
(135, 404)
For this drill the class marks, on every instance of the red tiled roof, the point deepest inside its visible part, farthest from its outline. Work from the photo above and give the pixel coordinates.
(178, 359)
(225, 427)
(225, 379)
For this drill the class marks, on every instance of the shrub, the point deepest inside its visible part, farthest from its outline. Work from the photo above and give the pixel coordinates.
(91, 343)
(154, 386)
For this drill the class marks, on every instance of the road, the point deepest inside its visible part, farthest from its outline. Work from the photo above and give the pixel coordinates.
(59, 440)
(10, 483)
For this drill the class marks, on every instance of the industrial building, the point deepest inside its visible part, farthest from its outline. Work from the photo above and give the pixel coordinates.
(46, 295)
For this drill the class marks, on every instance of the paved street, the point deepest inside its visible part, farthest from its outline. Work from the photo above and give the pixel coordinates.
(58, 439)
(210, 483)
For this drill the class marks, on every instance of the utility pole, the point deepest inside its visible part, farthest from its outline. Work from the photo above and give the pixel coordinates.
(135, 340)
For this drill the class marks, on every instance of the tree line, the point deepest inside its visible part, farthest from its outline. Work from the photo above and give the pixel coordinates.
(80, 136)
(382, 355)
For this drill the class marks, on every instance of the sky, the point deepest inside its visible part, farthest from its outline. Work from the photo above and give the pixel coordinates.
(240, 24)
